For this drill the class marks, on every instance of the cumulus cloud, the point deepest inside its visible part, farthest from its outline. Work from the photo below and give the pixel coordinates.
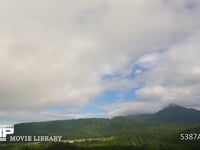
(54, 53)
(173, 79)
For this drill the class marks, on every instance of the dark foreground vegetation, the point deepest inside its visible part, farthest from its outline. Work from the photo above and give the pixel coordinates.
(99, 145)
(127, 141)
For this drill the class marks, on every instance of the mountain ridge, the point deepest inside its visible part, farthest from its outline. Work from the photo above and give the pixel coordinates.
(102, 127)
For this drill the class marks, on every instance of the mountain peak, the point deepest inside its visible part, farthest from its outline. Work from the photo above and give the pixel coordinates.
(175, 113)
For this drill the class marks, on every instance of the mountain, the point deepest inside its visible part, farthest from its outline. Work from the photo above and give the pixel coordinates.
(143, 132)
(99, 127)
(176, 113)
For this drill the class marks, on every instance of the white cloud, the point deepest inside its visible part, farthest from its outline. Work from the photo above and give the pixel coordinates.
(138, 71)
(149, 60)
(55, 53)
(128, 108)
(174, 79)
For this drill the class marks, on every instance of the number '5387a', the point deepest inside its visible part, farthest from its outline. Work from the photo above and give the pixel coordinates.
(189, 136)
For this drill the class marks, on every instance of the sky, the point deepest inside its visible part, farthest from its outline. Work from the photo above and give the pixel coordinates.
(68, 59)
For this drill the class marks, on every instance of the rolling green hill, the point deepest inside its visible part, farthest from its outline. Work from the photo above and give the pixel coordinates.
(170, 118)
(160, 131)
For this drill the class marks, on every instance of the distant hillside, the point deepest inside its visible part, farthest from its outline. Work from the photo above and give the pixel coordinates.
(139, 125)
(175, 113)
